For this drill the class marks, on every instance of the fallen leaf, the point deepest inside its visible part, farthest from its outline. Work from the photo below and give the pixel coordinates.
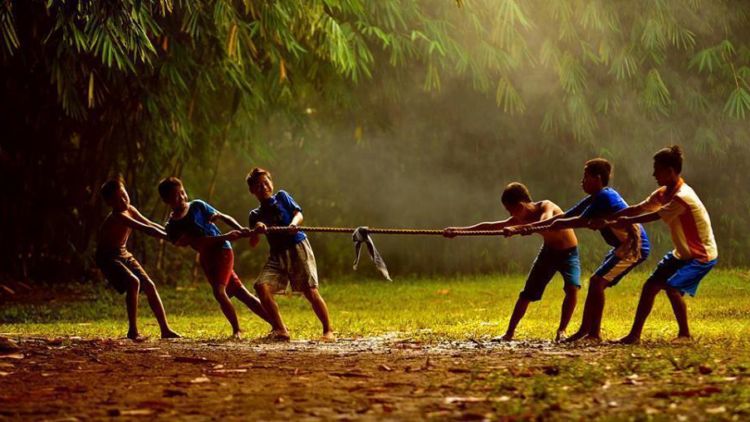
(12, 356)
(716, 410)
(200, 380)
(229, 371)
(131, 412)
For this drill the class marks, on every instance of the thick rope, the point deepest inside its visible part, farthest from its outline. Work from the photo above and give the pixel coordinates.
(374, 230)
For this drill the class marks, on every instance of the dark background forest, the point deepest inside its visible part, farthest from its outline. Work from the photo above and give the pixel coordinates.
(392, 113)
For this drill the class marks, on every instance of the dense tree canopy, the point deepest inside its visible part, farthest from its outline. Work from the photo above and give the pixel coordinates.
(151, 88)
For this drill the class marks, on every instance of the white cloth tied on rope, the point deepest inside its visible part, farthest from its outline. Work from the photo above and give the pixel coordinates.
(362, 235)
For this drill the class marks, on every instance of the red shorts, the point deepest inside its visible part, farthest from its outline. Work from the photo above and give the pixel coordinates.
(218, 265)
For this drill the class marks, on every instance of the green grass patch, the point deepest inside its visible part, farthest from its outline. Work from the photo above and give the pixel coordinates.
(424, 308)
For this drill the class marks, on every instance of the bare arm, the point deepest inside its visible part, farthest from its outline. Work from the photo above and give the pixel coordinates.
(625, 221)
(297, 219)
(137, 225)
(489, 225)
(227, 219)
(139, 217)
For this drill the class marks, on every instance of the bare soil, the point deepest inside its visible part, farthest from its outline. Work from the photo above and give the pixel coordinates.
(353, 379)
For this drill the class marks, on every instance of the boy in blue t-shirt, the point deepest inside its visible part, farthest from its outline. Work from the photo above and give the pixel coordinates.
(291, 259)
(630, 245)
(192, 224)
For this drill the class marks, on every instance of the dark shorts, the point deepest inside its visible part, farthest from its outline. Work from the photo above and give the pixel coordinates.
(548, 262)
(683, 275)
(218, 265)
(614, 268)
(120, 268)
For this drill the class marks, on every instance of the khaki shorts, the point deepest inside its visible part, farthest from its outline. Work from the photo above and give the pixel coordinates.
(295, 266)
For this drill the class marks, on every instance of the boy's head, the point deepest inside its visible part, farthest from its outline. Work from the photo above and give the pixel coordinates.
(514, 197)
(596, 173)
(172, 192)
(668, 165)
(114, 194)
(259, 183)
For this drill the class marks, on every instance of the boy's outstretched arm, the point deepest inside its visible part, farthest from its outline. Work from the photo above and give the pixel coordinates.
(227, 219)
(556, 222)
(636, 219)
(297, 219)
(139, 217)
(489, 225)
(137, 225)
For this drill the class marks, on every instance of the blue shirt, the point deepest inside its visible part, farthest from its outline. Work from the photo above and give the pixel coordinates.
(601, 205)
(278, 210)
(196, 223)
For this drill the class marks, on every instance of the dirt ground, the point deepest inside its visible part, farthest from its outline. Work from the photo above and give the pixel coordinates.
(353, 379)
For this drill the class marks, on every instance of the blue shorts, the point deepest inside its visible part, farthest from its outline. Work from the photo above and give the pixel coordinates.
(683, 275)
(548, 262)
(613, 268)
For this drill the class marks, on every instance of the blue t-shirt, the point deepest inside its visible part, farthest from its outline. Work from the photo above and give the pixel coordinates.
(601, 205)
(278, 210)
(196, 223)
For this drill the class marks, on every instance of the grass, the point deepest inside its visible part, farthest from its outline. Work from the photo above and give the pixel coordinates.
(423, 308)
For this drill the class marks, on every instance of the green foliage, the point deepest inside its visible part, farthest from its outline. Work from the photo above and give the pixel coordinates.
(149, 88)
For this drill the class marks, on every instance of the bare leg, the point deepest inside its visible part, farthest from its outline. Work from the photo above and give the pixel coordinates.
(321, 311)
(518, 312)
(568, 306)
(596, 292)
(680, 311)
(585, 328)
(131, 302)
(265, 294)
(253, 303)
(154, 301)
(645, 304)
(220, 293)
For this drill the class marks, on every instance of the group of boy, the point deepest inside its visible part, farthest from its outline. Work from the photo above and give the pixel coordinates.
(680, 271)
(291, 260)
(192, 223)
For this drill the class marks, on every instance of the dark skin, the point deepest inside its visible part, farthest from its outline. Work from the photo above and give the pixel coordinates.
(669, 177)
(114, 234)
(263, 190)
(180, 205)
(525, 213)
(593, 310)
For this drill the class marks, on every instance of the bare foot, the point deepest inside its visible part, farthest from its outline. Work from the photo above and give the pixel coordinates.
(504, 337)
(170, 334)
(328, 337)
(629, 339)
(591, 339)
(575, 337)
(237, 335)
(278, 336)
(135, 337)
(682, 340)
(560, 336)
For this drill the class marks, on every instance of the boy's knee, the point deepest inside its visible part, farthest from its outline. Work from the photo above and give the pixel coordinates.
(134, 285)
(598, 283)
(673, 293)
(263, 290)
(220, 291)
(148, 286)
(571, 289)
